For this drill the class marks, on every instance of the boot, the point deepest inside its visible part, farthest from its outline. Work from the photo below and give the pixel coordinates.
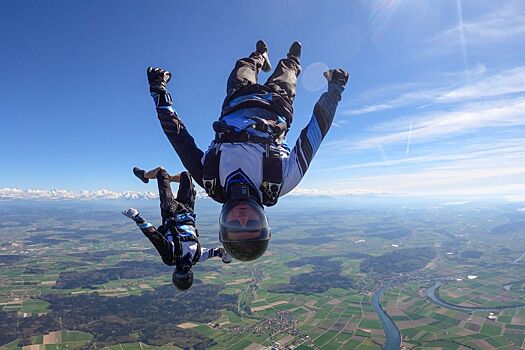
(295, 50)
(262, 49)
(140, 174)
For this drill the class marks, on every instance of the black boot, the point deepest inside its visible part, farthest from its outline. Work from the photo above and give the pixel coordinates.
(262, 48)
(295, 50)
(140, 174)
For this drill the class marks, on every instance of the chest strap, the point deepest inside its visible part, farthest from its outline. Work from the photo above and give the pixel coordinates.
(272, 175)
(210, 174)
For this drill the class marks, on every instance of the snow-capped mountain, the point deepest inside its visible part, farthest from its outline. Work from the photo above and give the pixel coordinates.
(57, 194)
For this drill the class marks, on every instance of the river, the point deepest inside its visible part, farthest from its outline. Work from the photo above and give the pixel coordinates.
(392, 335)
(431, 293)
(518, 259)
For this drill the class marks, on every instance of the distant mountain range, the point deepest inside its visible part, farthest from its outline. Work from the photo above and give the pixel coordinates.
(56, 194)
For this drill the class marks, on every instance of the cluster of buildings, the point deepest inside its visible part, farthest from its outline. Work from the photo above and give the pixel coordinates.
(280, 324)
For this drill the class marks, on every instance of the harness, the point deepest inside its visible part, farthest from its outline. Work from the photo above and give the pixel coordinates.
(272, 174)
(179, 235)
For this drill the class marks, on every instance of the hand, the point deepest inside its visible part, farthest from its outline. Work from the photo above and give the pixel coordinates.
(158, 78)
(337, 76)
(133, 214)
(226, 258)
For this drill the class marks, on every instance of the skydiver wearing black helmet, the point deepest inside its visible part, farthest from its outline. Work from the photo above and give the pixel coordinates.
(249, 164)
(176, 239)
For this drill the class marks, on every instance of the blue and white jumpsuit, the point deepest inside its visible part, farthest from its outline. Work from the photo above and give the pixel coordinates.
(246, 99)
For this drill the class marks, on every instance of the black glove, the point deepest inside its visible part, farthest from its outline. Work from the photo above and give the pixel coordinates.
(158, 78)
(337, 79)
(336, 76)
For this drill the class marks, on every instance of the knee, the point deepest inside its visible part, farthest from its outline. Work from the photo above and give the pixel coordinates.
(162, 173)
(185, 175)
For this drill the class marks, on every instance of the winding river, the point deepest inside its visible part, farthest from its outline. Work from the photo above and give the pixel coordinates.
(392, 335)
(431, 293)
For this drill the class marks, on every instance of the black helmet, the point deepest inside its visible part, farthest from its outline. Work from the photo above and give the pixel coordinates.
(244, 231)
(182, 279)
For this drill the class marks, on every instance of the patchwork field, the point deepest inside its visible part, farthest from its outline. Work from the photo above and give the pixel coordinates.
(83, 277)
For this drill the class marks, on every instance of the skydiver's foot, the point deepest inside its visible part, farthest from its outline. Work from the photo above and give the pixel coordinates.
(262, 48)
(295, 50)
(140, 174)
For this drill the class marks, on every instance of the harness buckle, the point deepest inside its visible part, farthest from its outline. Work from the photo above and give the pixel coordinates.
(209, 186)
(271, 190)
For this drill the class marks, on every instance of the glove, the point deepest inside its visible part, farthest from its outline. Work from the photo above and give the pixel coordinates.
(337, 79)
(158, 78)
(134, 215)
(226, 258)
(336, 76)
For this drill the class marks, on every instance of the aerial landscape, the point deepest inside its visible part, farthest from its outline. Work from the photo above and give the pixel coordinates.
(447, 275)
(277, 175)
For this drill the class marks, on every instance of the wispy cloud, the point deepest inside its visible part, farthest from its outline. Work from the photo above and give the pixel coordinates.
(506, 82)
(431, 126)
(450, 180)
(507, 151)
(507, 21)
(483, 168)
(481, 85)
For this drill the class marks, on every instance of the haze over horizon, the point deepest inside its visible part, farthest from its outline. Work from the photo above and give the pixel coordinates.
(434, 104)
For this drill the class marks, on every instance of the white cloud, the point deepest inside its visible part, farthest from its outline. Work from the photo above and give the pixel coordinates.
(480, 86)
(314, 192)
(506, 22)
(494, 167)
(508, 150)
(464, 119)
(506, 82)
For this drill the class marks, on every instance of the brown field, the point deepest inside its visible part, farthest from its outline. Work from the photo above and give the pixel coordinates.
(264, 307)
(52, 338)
(239, 281)
(518, 320)
(33, 347)
(187, 325)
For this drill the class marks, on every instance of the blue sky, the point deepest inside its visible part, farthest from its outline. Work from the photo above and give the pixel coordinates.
(435, 104)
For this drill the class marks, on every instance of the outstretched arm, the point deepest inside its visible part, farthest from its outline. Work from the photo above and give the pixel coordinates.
(296, 165)
(214, 252)
(165, 248)
(173, 127)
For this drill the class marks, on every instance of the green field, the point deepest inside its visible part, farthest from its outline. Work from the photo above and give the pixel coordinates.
(272, 299)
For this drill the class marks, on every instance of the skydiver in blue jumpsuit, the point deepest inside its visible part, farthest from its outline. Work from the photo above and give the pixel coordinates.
(176, 240)
(249, 165)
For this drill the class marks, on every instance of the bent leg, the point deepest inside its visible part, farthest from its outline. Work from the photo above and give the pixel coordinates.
(186, 193)
(183, 143)
(283, 81)
(152, 174)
